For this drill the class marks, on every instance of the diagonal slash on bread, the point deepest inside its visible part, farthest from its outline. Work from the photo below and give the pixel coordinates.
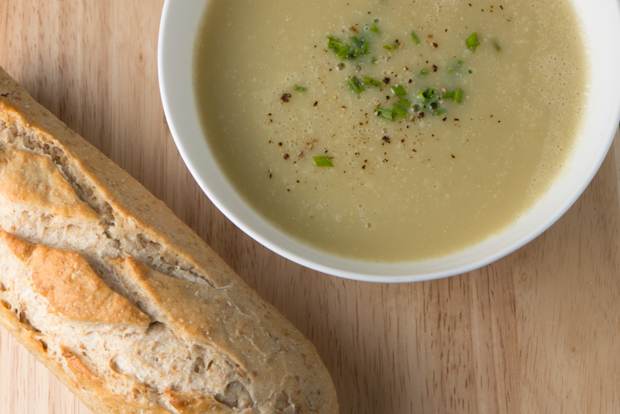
(121, 300)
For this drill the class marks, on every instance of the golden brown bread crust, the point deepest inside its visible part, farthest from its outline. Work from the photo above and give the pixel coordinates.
(71, 287)
(121, 300)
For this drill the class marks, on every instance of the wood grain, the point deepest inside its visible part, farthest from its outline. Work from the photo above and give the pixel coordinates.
(536, 332)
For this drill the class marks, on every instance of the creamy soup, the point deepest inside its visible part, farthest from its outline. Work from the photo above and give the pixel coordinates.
(392, 130)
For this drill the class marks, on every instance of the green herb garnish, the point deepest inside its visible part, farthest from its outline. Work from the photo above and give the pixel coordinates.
(301, 88)
(399, 110)
(371, 81)
(342, 51)
(428, 95)
(449, 69)
(338, 47)
(425, 71)
(333, 43)
(415, 38)
(472, 42)
(345, 51)
(356, 85)
(357, 42)
(398, 90)
(361, 46)
(323, 161)
(458, 96)
(497, 45)
(374, 29)
(404, 103)
(385, 113)
(373, 59)
(393, 46)
(439, 111)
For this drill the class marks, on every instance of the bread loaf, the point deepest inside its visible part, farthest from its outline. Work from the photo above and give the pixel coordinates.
(121, 300)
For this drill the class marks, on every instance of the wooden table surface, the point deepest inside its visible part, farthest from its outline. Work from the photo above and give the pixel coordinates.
(536, 332)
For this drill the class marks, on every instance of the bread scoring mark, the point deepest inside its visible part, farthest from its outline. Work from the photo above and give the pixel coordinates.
(190, 369)
(29, 141)
(33, 180)
(144, 248)
(183, 403)
(84, 377)
(71, 286)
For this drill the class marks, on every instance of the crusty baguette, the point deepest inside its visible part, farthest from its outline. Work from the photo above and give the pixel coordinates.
(121, 300)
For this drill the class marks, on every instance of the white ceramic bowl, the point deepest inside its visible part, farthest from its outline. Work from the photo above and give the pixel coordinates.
(178, 30)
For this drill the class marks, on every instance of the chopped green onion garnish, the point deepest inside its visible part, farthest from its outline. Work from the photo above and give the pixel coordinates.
(373, 59)
(428, 95)
(366, 45)
(333, 42)
(323, 161)
(458, 96)
(415, 38)
(371, 81)
(374, 29)
(342, 51)
(472, 42)
(425, 71)
(497, 46)
(460, 62)
(398, 90)
(439, 111)
(404, 103)
(399, 110)
(386, 113)
(356, 41)
(301, 88)
(355, 85)
(393, 46)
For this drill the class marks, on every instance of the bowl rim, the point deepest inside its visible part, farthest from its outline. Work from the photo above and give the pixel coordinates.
(222, 195)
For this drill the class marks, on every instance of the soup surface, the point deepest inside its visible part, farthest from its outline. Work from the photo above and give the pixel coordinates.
(392, 130)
